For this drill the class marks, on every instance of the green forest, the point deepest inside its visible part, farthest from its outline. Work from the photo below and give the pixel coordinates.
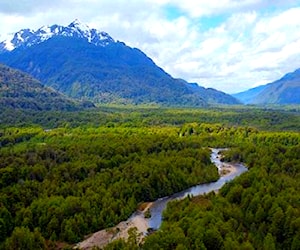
(66, 175)
(258, 210)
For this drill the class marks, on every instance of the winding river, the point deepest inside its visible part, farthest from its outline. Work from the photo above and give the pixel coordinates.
(160, 204)
(103, 237)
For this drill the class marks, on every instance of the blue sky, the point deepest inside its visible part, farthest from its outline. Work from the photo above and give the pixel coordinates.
(229, 45)
(172, 12)
(205, 22)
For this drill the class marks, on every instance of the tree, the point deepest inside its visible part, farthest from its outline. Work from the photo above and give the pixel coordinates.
(23, 239)
(212, 239)
(269, 242)
(6, 223)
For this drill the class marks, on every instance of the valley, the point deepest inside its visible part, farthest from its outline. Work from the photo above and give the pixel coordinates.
(95, 136)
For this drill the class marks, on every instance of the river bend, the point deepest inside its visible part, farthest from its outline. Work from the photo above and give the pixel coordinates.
(160, 204)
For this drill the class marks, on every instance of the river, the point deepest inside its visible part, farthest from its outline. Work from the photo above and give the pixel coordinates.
(138, 220)
(160, 204)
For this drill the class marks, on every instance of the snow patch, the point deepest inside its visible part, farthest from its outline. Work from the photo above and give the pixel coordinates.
(8, 45)
(56, 30)
(19, 36)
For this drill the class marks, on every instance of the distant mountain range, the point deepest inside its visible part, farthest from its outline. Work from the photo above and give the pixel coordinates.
(19, 90)
(283, 91)
(87, 64)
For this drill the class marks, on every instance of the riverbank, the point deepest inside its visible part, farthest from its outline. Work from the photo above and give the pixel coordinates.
(120, 231)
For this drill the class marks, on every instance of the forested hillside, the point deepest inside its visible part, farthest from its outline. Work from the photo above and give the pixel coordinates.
(20, 91)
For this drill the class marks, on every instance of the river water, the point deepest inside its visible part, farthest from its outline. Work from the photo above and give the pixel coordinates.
(160, 204)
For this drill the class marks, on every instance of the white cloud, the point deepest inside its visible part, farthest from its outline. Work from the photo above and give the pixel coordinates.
(235, 56)
(251, 46)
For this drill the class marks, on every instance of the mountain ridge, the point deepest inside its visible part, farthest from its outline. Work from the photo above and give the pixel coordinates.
(28, 37)
(101, 70)
(285, 90)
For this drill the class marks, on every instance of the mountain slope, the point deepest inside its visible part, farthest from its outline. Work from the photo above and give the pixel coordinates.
(246, 97)
(283, 91)
(88, 64)
(213, 96)
(20, 91)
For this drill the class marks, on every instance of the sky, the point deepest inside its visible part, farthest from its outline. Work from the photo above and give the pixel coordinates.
(229, 45)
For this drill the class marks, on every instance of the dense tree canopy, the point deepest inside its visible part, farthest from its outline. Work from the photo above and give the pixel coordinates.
(67, 183)
(258, 210)
(270, 119)
(60, 184)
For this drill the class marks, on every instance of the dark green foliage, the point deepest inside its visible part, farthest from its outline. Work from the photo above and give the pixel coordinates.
(20, 91)
(70, 182)
(23, 239)
(136, 116)
(64, 183)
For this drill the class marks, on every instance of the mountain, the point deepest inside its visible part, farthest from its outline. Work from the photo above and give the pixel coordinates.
(19, 90)
(283, 91)
(87, 64)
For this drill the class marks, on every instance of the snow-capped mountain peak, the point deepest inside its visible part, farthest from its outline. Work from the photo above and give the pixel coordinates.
(27, 37)
(76, 24)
